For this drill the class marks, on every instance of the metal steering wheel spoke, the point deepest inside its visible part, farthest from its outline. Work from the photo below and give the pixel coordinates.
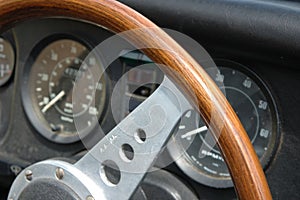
(134, 144)
(118, 163)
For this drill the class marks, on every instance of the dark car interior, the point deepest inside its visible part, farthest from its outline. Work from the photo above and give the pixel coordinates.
(254, 43)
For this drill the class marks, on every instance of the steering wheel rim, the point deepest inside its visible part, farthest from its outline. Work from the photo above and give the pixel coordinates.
(244, 166)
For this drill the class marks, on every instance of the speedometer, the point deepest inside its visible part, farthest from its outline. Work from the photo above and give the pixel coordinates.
(49, 89)
(195, 151)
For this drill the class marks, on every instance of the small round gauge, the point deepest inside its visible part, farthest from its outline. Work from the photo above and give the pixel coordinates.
(195, 151)
(48, 95)
(7, 61)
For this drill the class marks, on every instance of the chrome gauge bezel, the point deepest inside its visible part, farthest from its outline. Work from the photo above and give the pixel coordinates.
(183, 160)
(35, 119)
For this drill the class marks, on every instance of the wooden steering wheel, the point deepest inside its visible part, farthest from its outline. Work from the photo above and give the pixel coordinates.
(244, 166)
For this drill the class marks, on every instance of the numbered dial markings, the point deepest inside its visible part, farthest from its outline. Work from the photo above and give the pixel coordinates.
(252, 103)
(52, 79)
(7, 61)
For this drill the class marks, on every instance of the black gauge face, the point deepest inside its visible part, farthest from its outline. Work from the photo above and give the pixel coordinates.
(254, 106)
(52, 78)
(7, 61)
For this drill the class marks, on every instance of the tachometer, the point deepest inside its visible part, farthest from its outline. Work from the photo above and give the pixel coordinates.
(201, 159)
(49, 89)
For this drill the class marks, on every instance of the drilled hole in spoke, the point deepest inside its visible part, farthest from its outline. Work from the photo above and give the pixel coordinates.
(110, 173)
(127, 152)
(140, 136)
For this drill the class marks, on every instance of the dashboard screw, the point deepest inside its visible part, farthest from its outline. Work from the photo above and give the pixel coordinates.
(59, 173)
(28, 175)
(90, 197)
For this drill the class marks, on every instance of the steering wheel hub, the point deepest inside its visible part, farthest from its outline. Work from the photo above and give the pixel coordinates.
(43, 189)
(53, 180)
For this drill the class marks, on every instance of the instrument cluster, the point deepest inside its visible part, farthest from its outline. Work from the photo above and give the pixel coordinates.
(42, 70)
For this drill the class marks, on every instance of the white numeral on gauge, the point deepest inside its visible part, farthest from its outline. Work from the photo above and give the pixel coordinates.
(264, 133)
(219, 77)
(247, 83)
(262, 105)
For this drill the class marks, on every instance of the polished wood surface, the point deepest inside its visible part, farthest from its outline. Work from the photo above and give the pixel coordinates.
(244, 166)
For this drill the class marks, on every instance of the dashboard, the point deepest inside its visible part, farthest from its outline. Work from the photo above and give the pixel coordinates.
(43, 60)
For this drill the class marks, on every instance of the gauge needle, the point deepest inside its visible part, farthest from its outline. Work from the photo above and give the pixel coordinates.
(194, 132)
(53, 101)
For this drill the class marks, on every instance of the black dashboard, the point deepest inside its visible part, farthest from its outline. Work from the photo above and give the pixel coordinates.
(255, 44)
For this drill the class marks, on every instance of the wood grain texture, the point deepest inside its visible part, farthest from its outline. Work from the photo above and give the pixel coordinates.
(244, 166)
